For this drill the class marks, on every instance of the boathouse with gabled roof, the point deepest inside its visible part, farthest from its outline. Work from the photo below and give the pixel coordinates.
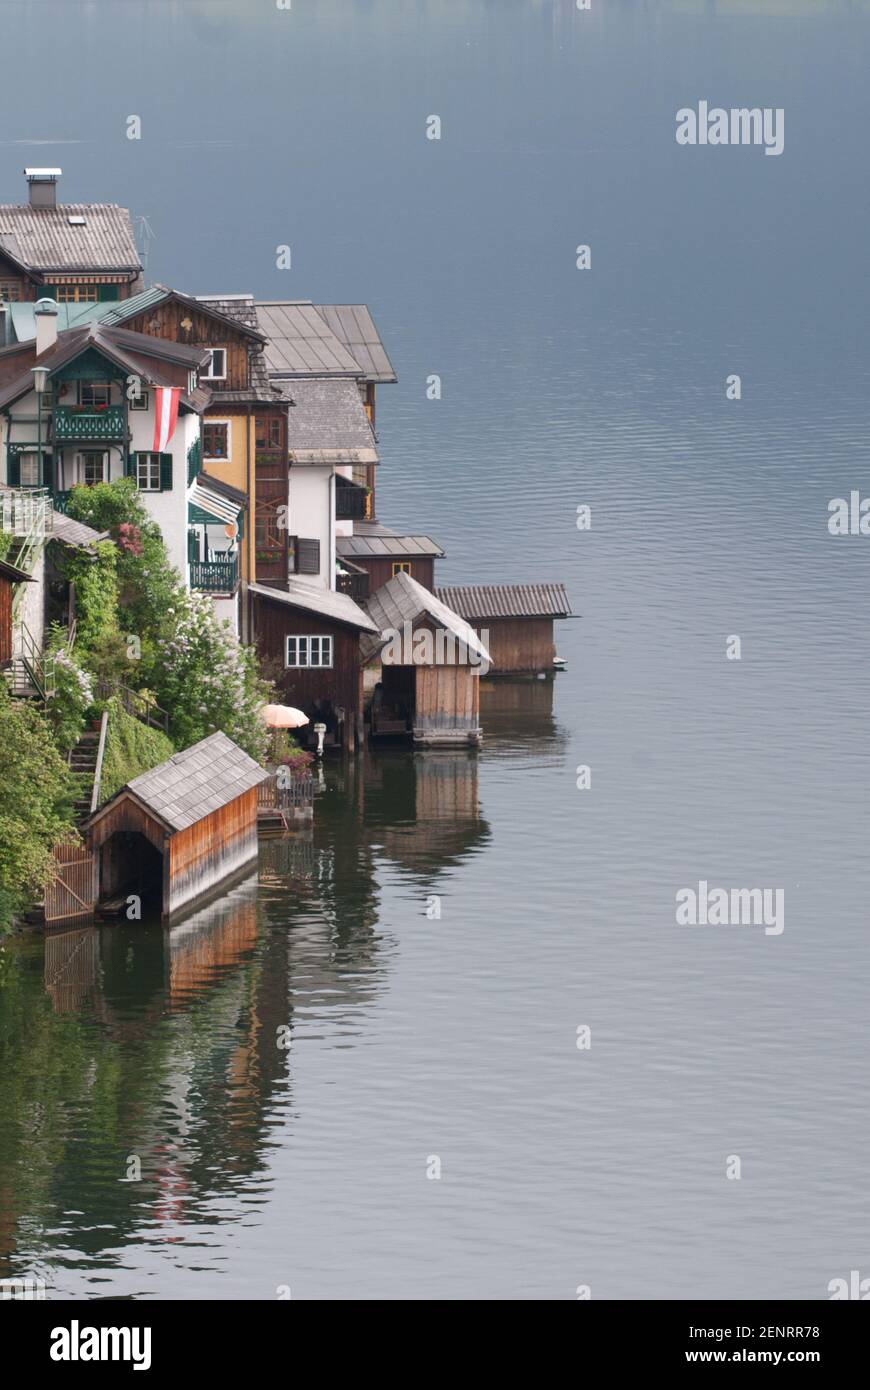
(431, 663)
(517, 620)
(178, 832)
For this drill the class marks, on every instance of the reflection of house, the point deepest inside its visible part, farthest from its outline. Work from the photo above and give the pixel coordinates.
(430, 667)
(75, 253)
(517, 620)
(181, 829)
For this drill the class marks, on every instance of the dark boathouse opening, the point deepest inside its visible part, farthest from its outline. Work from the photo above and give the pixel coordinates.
(130, 864)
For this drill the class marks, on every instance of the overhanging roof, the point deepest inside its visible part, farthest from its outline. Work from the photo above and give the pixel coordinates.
(327, 423)
(212, 502)
(325, 603)
(42, 239)
(391, 547)
(300, 342)
(355, 327)
(193, 784)
(402, 600)
(480, 601)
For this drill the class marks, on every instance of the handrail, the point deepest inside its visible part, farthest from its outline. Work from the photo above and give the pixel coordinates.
(98, 770)
(135, 704)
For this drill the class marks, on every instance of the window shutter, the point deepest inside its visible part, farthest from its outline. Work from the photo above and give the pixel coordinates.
(165, 472)
(130, 466)
(107, 293)
(13, 469)
(307, 556)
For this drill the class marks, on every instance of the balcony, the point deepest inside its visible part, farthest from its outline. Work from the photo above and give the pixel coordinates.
(351, 500)
(76, 424)
(215, 576)
(25, 511)
(354, 582)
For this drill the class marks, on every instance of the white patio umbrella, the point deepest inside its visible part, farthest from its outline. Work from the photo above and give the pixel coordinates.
(283, 717)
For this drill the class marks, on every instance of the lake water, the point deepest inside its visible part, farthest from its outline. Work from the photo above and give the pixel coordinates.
(416, 1037)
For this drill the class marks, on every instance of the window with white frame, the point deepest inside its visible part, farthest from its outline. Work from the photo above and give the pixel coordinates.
(139, 402)
(148, 472)
(309, 651)
(93, 467)
(29, 470)
(215, 368)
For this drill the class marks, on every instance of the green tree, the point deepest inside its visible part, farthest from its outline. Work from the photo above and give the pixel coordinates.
(37, 791)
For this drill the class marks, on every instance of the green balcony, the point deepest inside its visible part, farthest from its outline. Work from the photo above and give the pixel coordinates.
(215, 576)
(75, 424)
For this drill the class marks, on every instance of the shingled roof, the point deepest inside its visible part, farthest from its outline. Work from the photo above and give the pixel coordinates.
(402, 600)
(475, 601)
(327, 423)
(195, 783)
(43, 239)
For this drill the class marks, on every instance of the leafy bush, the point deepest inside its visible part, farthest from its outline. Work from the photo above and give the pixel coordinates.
(206, 680)
(146, 579)
(73, 696)
(37, 791)
(131, 748)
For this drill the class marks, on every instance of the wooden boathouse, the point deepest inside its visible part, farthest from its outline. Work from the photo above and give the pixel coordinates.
(175, 834)
(431, 663)
(517, 620)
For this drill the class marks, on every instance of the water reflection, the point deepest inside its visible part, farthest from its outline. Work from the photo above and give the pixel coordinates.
(144, 1077)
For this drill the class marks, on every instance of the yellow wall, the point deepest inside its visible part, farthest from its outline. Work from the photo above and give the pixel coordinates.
(238, 472)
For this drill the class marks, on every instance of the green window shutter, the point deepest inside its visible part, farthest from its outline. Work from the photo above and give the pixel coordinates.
(13, 469)
(130, 467)
(165, 472)
(46, 292)
(107, 292)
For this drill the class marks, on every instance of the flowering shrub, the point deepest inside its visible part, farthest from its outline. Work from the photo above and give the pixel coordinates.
(205, 679)
(73, 696)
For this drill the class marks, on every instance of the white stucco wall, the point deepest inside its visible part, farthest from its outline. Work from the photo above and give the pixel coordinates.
(311, 508)
(168, 509)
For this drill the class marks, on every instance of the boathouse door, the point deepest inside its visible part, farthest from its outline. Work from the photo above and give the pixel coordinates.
(130, 864)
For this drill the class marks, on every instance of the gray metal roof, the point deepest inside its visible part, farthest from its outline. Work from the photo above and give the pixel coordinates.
(390, 547)
(197, 782)
(355, 327)
(71, 532)
(300, 341)
(325, 603)
(42, 239)
(506, 600)
(403, 600)
(327, 423)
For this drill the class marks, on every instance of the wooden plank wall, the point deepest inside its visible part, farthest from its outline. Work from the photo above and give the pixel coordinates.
(340, 685)
(519, 644)
(72, 891)
(379, 571)
(209, 851)
(6, 589)
(448, 698)
(165, 321)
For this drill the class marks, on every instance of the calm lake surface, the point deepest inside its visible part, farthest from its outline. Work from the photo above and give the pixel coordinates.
(416, 1036)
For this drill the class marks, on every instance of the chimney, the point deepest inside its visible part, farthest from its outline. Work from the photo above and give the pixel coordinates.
(45, 317)
(42, 186)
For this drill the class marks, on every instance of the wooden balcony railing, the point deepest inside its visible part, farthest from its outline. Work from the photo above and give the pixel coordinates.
(215, 576)
(350, 500)
(73, 422)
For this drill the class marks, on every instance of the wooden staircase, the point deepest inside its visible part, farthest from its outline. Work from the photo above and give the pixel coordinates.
(83, 762)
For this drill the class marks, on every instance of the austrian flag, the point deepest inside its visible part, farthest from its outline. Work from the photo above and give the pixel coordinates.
(166, 400)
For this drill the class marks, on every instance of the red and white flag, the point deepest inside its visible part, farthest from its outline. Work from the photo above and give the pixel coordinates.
(166, 400)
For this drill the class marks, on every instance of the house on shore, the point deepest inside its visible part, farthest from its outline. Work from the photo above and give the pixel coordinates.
(431, 663)
(176, 834)
(308, 638)
(75, 253)
(517, 620)
(374, 553)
